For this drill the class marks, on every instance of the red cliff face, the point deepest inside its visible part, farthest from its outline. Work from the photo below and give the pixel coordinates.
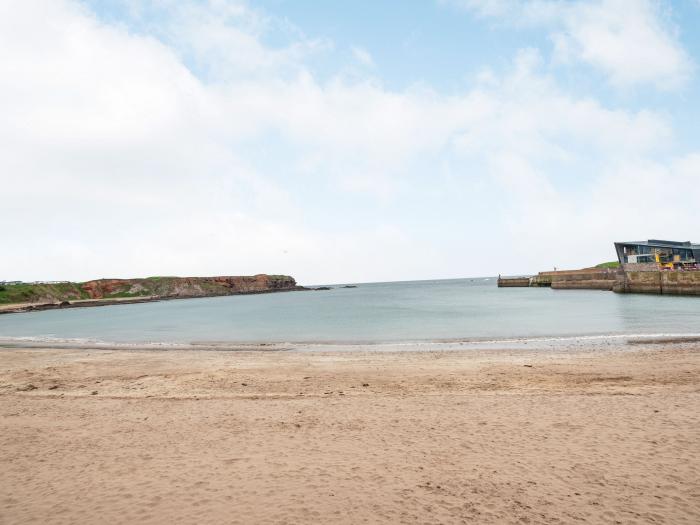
(256, 283)
(187, 286)
(101, 287)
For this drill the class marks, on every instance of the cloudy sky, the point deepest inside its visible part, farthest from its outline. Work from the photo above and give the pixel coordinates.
(343, 141)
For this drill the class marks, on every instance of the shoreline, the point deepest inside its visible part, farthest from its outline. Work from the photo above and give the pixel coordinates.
(547, 343)
(491, 436)
(18, 308)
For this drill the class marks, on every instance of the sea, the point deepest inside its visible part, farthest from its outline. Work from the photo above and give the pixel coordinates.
(464, 311)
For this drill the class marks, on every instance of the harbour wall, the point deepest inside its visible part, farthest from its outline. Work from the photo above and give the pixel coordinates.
(587, 279)
(659, 282)
(513, 282)
(627, 280)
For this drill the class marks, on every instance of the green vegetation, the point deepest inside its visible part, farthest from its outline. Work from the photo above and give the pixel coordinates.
(35, 293)
(126, 288)
(30, 293)
(611, 264)
(119, 295)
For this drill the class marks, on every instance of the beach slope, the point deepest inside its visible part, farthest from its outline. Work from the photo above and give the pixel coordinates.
(350, 437)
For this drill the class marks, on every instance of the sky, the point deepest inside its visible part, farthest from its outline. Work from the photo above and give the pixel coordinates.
(343, 141)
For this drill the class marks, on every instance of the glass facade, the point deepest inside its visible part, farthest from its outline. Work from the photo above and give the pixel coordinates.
(667, 255)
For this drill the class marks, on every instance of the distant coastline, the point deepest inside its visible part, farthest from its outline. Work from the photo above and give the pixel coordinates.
(18, 297)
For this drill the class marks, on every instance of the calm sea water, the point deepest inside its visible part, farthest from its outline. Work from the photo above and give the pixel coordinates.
(469, 309)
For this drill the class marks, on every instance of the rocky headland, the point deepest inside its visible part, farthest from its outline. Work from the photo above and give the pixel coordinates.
(24, 297)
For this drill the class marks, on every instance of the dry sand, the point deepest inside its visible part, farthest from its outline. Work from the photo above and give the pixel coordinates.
(350, 437)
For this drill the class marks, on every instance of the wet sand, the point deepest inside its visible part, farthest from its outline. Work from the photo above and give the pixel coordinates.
(186, 436)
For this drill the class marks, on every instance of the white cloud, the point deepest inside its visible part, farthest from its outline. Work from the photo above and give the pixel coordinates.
(120, 161)
(574, 175)
(363, 56)
(629, 40)
(223, 39)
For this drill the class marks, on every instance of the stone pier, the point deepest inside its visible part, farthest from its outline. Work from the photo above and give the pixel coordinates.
(627, 280)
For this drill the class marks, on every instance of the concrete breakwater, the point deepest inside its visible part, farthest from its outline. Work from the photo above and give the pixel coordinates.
(659, 282)
(588, 279)
(514, 282)
(618, 280)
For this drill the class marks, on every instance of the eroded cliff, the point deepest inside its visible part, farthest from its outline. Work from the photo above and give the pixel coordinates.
(150, 287)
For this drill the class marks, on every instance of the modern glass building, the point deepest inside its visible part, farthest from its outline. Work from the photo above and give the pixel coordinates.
(663, 254)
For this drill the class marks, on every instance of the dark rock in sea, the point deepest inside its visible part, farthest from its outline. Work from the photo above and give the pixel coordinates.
(349, 286)
(322, 288)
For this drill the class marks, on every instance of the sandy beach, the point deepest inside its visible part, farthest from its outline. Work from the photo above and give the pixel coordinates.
(185, 436)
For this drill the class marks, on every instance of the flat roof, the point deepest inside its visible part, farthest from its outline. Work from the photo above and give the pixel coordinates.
(665, 244)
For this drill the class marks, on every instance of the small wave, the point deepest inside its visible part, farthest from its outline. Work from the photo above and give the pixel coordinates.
(78, 342)
(98, 344)
(506, 342)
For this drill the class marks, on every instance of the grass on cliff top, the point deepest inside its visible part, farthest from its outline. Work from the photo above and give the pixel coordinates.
(122, 294)
(156, 285)
(16, 293)
(611, 264)
(27, 293)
